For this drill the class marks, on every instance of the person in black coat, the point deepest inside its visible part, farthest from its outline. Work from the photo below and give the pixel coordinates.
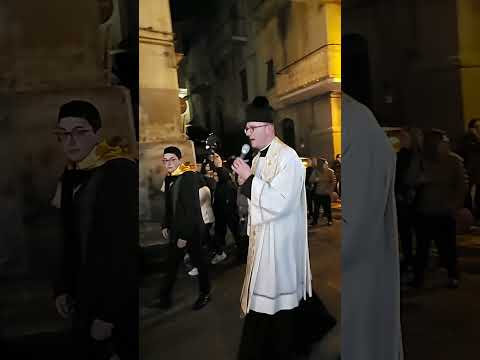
(183, 226)
(469, 150)
(97, 284)
(406, 173)
(226, 215)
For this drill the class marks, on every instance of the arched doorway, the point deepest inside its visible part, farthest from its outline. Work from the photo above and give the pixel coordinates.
(356, 68)
(288, 130)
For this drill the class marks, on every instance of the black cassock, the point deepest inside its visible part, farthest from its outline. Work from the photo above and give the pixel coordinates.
(99, 265)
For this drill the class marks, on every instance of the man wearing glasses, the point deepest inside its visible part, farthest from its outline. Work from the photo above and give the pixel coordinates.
(183, 226)
(98, 200)
(278, 273)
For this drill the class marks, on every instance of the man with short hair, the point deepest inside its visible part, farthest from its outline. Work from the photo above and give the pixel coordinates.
(183, 225)
(278, 272)
(97, 283)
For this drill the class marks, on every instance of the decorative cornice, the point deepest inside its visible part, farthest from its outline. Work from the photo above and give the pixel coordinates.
(156, 37)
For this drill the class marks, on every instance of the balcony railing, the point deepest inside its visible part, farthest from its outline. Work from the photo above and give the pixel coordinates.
(320, 65)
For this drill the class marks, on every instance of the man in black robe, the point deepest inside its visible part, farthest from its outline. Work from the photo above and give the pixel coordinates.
(98, 197)
(183, 226)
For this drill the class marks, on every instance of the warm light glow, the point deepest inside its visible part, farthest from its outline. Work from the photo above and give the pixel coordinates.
(306, 162)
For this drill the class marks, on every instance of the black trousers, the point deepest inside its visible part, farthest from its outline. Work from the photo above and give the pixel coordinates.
(206, 240)
(175, 258)
(266, 337)
(221, 224)
(326, 203)
(310, 202)
(405, 232)
(441, 229)
(469, 201)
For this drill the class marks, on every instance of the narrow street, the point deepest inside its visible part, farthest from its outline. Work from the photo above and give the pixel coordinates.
(441, 323)
(214, 332)
(438, 323)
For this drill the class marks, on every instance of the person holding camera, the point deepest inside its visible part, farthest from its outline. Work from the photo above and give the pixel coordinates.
(226, 212)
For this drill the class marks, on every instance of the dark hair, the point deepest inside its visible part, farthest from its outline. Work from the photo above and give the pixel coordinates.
(471, 123)
(81, 109)
(173, 150)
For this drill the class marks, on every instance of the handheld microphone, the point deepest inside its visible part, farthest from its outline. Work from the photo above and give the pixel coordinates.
(244, 151)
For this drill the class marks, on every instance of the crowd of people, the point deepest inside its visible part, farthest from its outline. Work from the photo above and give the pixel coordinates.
(430, 185)
(263, 204)
(223, 208)
(436, 195)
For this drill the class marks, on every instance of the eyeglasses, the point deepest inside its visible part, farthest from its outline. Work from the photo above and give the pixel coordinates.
(247, 129)
(76, 133)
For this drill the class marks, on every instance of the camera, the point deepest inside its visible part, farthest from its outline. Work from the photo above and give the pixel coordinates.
(211, 143)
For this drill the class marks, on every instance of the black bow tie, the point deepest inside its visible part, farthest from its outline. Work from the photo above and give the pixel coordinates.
(263, 153)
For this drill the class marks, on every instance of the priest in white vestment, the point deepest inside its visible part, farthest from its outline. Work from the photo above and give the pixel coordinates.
(278, 272)
(370, 314)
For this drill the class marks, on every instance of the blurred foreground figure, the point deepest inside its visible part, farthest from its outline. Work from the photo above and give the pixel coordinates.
(97, 285)
(371, 328)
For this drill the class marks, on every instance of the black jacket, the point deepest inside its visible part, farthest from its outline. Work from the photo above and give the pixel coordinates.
(183, 213)
(99, 265)
(225, 196)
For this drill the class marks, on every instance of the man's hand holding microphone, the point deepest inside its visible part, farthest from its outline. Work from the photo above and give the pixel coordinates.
(240, 167)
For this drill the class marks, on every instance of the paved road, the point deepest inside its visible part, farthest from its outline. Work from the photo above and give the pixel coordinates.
(213, 333)
(440, 323)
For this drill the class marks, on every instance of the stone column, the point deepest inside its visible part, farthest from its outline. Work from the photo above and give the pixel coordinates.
(52, 53)
(160, 121)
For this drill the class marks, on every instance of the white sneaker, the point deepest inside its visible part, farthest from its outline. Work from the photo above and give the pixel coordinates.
(218, 258)
(193, 272)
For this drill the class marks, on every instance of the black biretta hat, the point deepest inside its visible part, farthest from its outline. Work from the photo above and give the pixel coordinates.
(259, 110)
